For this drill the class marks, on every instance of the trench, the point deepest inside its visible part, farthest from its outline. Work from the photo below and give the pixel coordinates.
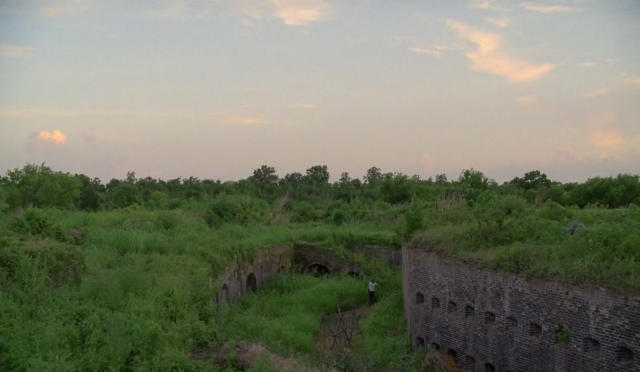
(307, 312)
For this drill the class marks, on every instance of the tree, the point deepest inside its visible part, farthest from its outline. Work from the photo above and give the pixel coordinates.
(531, 180)
(441, 179)
(396, 188)
(346, 188)
(265, 175)
(373, 176)
(91, 193)
(124, 195)
(39, 186)
(317, 176)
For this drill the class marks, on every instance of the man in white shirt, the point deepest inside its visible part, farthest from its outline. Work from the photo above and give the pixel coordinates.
(372, 291)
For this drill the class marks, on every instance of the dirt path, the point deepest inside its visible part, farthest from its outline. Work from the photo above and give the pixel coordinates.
(340, 331)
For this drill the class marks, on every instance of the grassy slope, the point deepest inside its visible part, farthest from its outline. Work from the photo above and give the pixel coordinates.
(141, 300)
(535, 242)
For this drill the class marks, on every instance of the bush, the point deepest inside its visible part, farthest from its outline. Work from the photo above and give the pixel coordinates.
(60, 262)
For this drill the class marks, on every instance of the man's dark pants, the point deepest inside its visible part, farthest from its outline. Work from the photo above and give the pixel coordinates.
(371, 297)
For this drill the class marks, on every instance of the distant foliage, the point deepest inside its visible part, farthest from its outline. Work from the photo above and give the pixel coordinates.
(39, 186)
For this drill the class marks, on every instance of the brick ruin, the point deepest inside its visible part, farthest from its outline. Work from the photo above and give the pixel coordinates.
(250, 277)
(237, 280)
(494, 321)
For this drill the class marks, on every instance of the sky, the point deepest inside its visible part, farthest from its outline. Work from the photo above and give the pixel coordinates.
(214, 89)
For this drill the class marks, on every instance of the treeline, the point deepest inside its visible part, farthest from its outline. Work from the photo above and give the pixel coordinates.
(40, 186)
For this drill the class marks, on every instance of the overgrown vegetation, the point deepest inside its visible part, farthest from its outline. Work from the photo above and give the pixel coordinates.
(114, 277)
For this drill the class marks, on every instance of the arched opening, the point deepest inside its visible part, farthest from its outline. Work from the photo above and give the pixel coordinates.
(469, 363)
(318, 269)
(591, 346)
(535, 330)
(252, 283)
(452, 354)
(419, 298)
(452, 307)
(624, 356)
(435, 302)
(223, 295)
(420, 342)
(511, 324)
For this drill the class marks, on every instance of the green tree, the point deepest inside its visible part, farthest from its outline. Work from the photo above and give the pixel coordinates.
(531, 180)
(124, 195)
(317, 176)
(396, 188)
(265, 175)
(39, 186)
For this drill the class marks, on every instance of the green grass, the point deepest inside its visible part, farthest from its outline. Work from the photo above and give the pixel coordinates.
(534, 242)
(133, 295)
(287, 315)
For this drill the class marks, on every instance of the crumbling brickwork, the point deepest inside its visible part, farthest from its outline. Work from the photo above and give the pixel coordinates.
(249, 277)
(495, 321)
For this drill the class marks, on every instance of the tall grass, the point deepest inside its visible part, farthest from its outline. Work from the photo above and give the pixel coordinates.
(287, 315)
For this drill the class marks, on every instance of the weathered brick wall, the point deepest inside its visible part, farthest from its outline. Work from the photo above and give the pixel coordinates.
(240, 279)
(494, 321)
(390, 255)
(307, 255)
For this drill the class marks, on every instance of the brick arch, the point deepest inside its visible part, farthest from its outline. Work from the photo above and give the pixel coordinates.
(223, 294)
(318, 269)
(252, 283)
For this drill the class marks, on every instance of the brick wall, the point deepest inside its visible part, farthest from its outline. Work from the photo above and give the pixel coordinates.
(251, 276)
(307, 255)
(494, 321)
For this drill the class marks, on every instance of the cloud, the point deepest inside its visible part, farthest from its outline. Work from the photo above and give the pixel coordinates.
(300, 12)
(13, 51)
(45, 143)
(435, 50)
(528, 101)
(429, 163)
(486, 5)
(425, 51)
(588, 64)
(303, 105)
(292, 12)
(60, 7)
(242, 121)
(607, 140)
(629, 82)
(488, 56)
(180, 10)
(550, 8)
(49, 113)
(498, 22)
(202, 116)
(54, 136)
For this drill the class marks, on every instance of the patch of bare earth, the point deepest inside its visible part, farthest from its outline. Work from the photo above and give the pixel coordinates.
(246, 355)
(341, 331)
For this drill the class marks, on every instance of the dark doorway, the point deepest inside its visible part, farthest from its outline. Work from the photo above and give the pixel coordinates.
(252, 283)
(318, 269)
(223, 295)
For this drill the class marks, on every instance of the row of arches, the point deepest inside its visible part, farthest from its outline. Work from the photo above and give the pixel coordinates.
(250, 286)
(319, 269)
(590, 346)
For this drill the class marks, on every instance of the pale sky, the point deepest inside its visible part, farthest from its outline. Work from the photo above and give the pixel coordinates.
(215, 89)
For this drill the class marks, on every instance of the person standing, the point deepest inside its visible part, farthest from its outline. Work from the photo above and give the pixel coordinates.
(372, 291)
